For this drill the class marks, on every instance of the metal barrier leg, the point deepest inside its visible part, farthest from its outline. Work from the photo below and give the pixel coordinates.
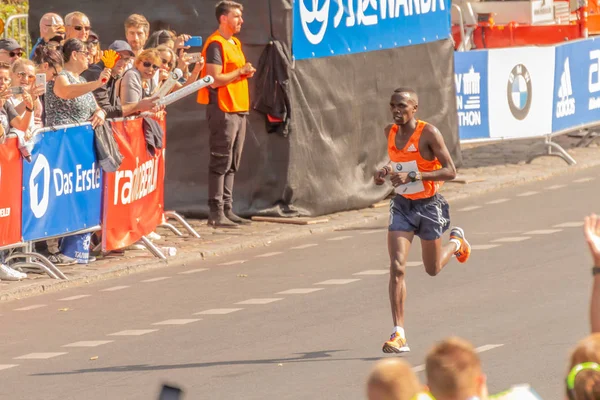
(588, 139)
(172, 229)
(44, 264)
(182, 221)
(152, 248)
(549, 145)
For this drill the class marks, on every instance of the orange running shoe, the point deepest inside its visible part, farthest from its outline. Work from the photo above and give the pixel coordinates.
(463, 253)
(396, 344)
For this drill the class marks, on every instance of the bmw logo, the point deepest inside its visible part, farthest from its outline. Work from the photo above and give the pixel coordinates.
(398, 167)
(518, 91)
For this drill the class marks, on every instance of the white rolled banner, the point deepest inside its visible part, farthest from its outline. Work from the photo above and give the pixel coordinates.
(169, 83)
(186, 91)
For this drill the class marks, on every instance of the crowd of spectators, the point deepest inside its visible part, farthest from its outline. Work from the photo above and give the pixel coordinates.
(80, 88)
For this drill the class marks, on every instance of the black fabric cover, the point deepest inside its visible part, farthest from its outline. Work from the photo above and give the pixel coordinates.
(339, 110)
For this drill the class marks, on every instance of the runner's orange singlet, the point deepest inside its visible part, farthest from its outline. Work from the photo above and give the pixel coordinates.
(409, 159)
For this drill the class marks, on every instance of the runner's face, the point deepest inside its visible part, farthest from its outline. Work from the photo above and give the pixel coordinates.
(403, 108)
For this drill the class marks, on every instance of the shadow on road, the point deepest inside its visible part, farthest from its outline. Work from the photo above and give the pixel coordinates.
(316, 356)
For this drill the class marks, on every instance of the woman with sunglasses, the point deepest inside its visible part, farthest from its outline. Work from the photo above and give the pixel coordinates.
(93, 46)
(137, 83)
(169, 60)
(23, 76)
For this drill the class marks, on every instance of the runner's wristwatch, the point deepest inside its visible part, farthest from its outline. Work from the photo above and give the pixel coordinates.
(414, 176)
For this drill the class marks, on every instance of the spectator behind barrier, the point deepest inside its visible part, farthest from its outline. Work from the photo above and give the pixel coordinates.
(78, 26)
(107, 96)
(583, 376)
(9, 118)
(169, 59)
(69, 100)
(52, 28)
(93, 46)
(392, 379)
(162, 36)
(50, 62)
(10, 50)
(23, 76)
(454, 372)
(137, 83)
(137, 29)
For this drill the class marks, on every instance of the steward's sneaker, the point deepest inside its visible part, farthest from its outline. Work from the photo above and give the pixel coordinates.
(61, 260)
(463, 253)
(396, 344)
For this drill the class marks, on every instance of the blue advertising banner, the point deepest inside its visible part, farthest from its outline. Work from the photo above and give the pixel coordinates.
(576, 98)
(325, 28)
(62, 186)
(471, 78)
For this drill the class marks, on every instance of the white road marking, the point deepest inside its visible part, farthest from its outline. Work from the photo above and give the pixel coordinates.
(337, 281)
(487, 347)
(583, 180)
(480, 349)
(554, 187)
(193, 271)
(512, 239)
(300, 291)
(31, 307)
(470, 208)
(543, 232)
(219, 311)
(569, 225)
(269, 254)
(374, 272)
(373, 231)
(81, 296)
(527, 194)
(177, 322)
(304, 246)
(133, 332)
(114, 288)
(498, 201)
(161, 278)
(7, 366)
(339, 238)
(414, 263)
(484, 246)
(38, 356)
(259, 301)
(91, 343)
(234, 262)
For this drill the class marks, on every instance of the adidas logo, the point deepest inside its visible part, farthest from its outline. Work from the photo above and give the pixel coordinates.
(566, 105)
(411, 148)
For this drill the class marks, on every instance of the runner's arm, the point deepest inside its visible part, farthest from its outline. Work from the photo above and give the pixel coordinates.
(440, 151)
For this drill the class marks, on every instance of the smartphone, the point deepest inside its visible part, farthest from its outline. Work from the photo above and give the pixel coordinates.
(170, 393)
(16, 89)
(195, 41)
(40, 81)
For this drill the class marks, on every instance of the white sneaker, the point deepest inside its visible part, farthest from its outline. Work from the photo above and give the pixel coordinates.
(9, 274)
(153, 236)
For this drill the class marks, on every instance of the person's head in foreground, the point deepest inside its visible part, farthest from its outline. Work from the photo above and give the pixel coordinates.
(583, 376)
(392, 379)
(453, 371)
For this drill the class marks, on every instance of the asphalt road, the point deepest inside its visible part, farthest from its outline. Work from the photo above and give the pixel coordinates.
(306, 319)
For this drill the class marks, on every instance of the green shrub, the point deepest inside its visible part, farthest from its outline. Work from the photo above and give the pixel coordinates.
(12, 7)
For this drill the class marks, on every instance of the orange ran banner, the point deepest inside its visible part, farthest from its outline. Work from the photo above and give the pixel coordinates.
(11, 176)
(133, 195)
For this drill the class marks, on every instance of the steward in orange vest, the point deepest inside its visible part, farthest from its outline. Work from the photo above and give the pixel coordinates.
(228, 104)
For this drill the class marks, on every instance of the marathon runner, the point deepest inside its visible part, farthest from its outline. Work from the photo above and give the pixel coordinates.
(419, 164)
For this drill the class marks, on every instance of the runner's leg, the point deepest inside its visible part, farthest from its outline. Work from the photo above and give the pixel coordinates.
(398, 247)
(436, 256)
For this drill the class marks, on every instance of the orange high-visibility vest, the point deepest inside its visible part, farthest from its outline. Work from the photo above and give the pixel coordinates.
(234, 97)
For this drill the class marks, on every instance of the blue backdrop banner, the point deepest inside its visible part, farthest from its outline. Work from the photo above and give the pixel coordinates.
(325, 28)
(62, 186)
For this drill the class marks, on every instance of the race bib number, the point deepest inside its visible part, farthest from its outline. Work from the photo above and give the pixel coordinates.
(411, 187)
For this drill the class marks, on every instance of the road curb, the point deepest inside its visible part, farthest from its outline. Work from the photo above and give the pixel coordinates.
(375, 215)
